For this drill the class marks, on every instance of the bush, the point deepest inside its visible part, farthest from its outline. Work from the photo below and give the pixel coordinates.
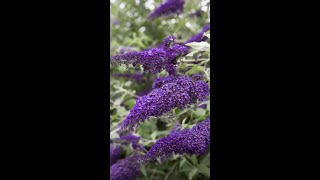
(159, 89)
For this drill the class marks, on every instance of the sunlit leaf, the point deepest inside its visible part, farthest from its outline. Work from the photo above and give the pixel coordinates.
(201, 46)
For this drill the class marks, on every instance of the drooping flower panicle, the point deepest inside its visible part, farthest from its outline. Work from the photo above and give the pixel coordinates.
(126, 169)
(168, 8)
(199, 37)
(171, 92)
(114, 153)
(194, 141)
(154, 60)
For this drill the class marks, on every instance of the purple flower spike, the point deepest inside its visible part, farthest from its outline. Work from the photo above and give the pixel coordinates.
(194, 141)
(126, 169)
(168, 42)
(169, 93)
(154, 60)
(199, 37)
(114, 154)
(168, 8)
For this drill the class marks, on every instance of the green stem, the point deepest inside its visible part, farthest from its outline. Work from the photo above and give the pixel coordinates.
(194, 60)
(115, 130)
(126, 91)
(205, 102)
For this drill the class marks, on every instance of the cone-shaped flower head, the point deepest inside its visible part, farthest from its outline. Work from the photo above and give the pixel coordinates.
(154, 60)
(114, 154)
(194, 141)
(126, 169)
(168, 8)
(169, 93)
(199, 37)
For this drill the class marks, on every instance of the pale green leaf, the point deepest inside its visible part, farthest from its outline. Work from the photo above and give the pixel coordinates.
(207, 34)
(204, 170)
(192, 173)
(200, 46)
(182, 162)
(153, 135)
(130, 103)
(117, 102)
(200, 112)
(194, 70)
(143, 170)
(192, 53)
(121, 111)
(127, 84)
(114, 135)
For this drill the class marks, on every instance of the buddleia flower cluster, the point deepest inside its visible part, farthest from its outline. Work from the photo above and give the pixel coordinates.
(126, 169)
(194, 141)
(154, 60)
(114, 153)
(199, 36)
(168, 8)
(171, 92)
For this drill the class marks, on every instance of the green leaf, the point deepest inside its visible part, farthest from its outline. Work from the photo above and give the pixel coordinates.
(121, 111)
(117, 102)
(182, 162)
(114, 135)
(194, 160)
(192, 53)
(204, 170)
(143, 170)
(127, 84)
(200, 112)
(207, 34)
(153, 135)
(175, 156)
(208, 106)
(130, 103)
(184, 123)
(206, 160)
(192, 173)
(200, 46)
(194, 70)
